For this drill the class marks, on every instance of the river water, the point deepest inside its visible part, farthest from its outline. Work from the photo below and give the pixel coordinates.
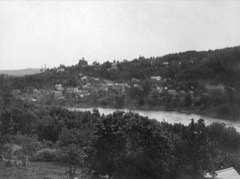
(167, 116)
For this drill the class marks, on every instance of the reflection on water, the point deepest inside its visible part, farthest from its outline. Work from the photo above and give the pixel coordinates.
(167, 116)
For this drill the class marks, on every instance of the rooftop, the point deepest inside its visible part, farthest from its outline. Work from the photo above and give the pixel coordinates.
(228, 173)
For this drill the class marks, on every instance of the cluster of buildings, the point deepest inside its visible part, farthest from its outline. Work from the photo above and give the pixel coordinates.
(87, 88)
(90, 85)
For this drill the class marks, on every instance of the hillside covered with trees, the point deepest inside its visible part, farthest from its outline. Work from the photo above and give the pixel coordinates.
(218, 66)
(204, 82)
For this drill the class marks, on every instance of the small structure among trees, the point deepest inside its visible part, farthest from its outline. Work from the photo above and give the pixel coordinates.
(82, 62)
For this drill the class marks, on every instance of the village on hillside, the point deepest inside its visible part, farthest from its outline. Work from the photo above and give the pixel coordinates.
(91, 86)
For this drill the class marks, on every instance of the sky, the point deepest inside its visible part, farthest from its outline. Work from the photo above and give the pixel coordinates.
(34, 33)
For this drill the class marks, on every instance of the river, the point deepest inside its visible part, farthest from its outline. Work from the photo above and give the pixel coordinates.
(167, 116)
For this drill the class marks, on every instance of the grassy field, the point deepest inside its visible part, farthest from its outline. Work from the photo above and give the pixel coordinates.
(36, 170)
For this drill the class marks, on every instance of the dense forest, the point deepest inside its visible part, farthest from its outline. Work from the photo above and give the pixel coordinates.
(121, 145)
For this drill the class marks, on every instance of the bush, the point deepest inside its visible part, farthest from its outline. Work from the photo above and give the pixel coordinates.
(46, 155)
(29, 144)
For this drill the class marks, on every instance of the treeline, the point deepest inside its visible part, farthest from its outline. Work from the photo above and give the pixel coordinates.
(122, 145)
(219, 66)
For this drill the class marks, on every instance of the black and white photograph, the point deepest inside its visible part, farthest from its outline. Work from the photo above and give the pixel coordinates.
(117, 89)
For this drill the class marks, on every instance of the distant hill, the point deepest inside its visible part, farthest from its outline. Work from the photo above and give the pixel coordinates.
(214, 66)
(23, 72)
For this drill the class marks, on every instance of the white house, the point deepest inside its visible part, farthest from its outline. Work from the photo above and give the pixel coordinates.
(59, 87)
(220, 87)
(72, 90)
(157, 78)
(58, 95)
(60, 69)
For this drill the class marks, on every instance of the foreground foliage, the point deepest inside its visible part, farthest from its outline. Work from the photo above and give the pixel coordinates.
(122, 145)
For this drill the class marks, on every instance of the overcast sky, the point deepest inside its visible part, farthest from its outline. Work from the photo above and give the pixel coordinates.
(61, 32)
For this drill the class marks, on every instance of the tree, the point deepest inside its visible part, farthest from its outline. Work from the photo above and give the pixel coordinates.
(197, 143)
(6, 91)
(119, 101)
(95, 63)
(74, 156)
(73, 144)
(131, 146)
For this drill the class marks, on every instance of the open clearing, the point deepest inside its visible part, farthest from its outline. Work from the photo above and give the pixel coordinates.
(36, 170)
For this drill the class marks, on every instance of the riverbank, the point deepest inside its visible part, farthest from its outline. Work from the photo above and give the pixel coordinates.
(164, 116)
(208, 113)
(229, 112)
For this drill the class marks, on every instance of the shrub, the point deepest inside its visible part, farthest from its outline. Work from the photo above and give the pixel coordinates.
(29, 144)
(46, 155)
